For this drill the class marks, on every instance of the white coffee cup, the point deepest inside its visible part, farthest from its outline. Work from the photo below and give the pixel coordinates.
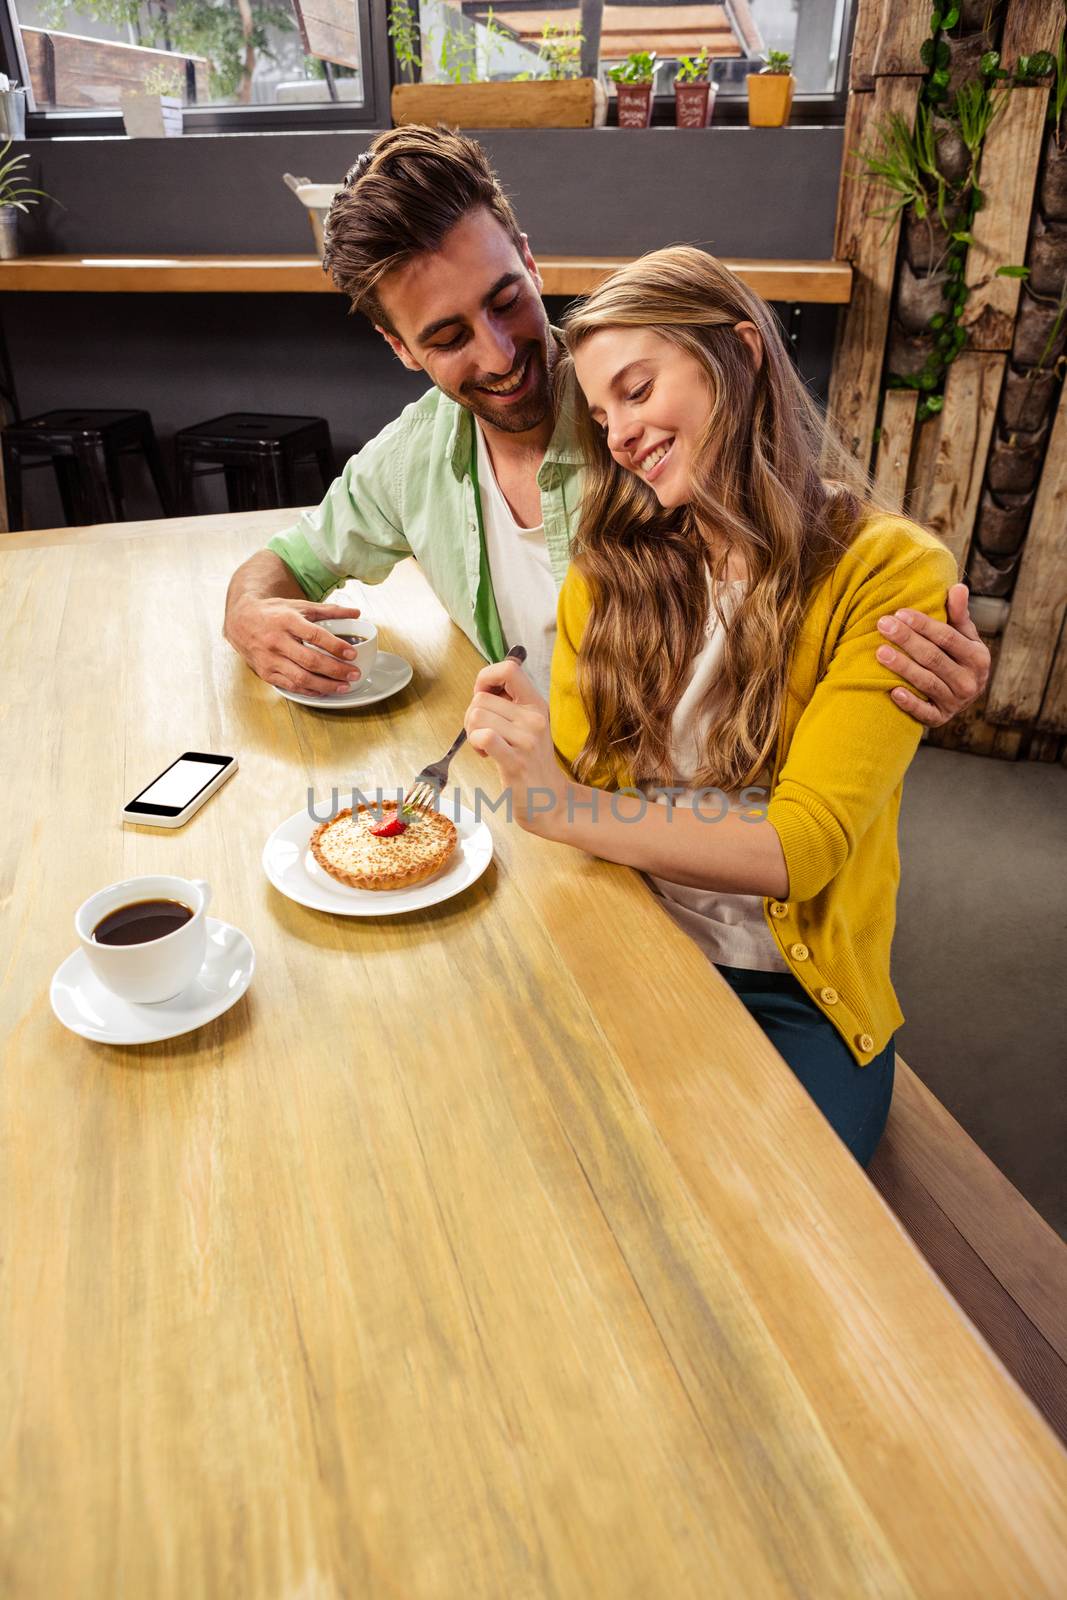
(160, 968)
(367, 652)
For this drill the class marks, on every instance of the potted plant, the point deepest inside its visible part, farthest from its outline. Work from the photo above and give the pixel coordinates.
(633, 79)
(155, 110)
(770, 91)
(553, 97)
(15, 195)
(694, 93)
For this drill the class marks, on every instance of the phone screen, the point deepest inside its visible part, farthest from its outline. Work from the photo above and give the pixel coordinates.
(180, 784)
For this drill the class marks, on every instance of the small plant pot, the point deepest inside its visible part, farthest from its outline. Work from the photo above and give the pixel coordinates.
(770, 98)
(1053, 193)
(993, 578)
(1026, 399)
(964, 57)
(1015, 461)
(953, 157)
(919, 298)
(908, 351)
(1002, 522)
(152, 116)
(1048, 257)
(9, 233)
(926, 242)
(693, 104)
(634, 104)
(1038, 341)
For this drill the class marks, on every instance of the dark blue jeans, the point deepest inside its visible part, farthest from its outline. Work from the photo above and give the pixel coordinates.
(853, 1099)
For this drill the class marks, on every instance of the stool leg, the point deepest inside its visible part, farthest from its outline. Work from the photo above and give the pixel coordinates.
(184, 466)
(114, 482)
(238, 497)
(13, 485)
(67, 479)
(269, 486)
(326, 472)
(153, 455)
(96, 490)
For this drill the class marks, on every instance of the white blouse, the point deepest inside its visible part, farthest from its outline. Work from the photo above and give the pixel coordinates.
(729, 928)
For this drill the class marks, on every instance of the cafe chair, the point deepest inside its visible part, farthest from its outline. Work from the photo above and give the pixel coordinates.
(258, 454)
(85, 449)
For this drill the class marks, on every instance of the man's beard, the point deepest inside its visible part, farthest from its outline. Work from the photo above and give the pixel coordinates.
(524, 414)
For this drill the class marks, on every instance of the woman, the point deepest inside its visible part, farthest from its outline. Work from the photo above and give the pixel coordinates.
(717, 643)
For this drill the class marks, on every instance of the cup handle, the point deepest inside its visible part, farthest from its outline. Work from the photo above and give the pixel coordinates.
(205, 890)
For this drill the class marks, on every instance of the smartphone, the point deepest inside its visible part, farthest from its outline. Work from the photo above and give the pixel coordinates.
(180, 789)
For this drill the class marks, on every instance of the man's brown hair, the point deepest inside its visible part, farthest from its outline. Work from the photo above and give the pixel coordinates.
(399, 200)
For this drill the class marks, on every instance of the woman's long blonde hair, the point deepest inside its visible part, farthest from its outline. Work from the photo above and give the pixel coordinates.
(757, 490)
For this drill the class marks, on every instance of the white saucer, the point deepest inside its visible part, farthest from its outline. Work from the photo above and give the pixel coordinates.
(293, 870)
(83, 1005)
(390, 674)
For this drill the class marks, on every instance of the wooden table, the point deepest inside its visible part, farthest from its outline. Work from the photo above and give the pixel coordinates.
(490, 1251)
(809, 282)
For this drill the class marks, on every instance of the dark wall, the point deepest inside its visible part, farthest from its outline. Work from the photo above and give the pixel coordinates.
(739, 191)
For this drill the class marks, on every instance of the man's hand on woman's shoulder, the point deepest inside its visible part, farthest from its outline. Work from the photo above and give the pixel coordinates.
(947, 661)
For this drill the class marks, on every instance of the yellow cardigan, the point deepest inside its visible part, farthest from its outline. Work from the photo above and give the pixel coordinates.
(842, 751)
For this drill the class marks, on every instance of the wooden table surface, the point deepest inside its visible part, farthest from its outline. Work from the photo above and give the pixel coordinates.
(489, 1251)
(810, 282)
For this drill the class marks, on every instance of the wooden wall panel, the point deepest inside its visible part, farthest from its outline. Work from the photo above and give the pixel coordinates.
(887, 39)
(1040, 597)
(855, 382)
(894, 445)
(950, 503)
(1030, 25)
(1053, 716)
(1010, 160)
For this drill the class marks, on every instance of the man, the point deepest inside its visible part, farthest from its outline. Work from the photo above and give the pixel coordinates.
(480, 478)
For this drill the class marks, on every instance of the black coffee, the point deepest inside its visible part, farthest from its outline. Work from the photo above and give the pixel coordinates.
(141, 921)
(353, 639)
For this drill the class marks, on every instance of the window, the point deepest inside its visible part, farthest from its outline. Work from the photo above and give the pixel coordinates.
(249, 62)
(735, 33)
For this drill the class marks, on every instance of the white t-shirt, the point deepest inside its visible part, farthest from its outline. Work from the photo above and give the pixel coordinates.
(521, 574)
(729, 928)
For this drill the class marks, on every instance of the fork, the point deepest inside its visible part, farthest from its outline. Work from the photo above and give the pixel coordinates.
(426, 789)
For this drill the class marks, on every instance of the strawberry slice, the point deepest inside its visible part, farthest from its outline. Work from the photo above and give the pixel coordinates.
(390, 829)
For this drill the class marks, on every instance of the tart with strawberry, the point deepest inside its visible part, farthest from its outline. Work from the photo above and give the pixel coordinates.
(381, 847)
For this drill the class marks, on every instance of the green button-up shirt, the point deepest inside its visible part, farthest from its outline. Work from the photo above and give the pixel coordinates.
(413, 491)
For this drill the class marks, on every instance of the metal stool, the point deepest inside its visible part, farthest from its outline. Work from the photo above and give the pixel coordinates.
(84, 448)
(257, 453)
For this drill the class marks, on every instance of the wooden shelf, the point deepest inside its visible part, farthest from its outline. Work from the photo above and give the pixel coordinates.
(824, 282)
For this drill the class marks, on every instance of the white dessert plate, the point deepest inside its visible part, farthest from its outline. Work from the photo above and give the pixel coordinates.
(293, 870)
(85, 1006)
(390, 674)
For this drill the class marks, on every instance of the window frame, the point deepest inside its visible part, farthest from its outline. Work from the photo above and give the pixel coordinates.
(377, 74)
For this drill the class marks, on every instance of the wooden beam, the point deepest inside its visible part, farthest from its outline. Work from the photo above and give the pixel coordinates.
(1053, 715)
(894, 445)
(871, 245)
(1029, 26)
(950, 503)
(886, 41)
(1040, 598)
(1010, 160)
(807, 282)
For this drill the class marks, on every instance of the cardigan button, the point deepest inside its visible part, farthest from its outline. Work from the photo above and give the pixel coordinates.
(799, 952)
(778, 909)
(865, 1043)
(828, 996)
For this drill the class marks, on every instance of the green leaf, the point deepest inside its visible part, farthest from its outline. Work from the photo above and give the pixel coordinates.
(934, 403)
(989, 63)
(963, 238)
(935, 20)
(937, 321)
(952, 16)
(940, 78)
(942, 54)
(926, 52)
(1012, 272)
